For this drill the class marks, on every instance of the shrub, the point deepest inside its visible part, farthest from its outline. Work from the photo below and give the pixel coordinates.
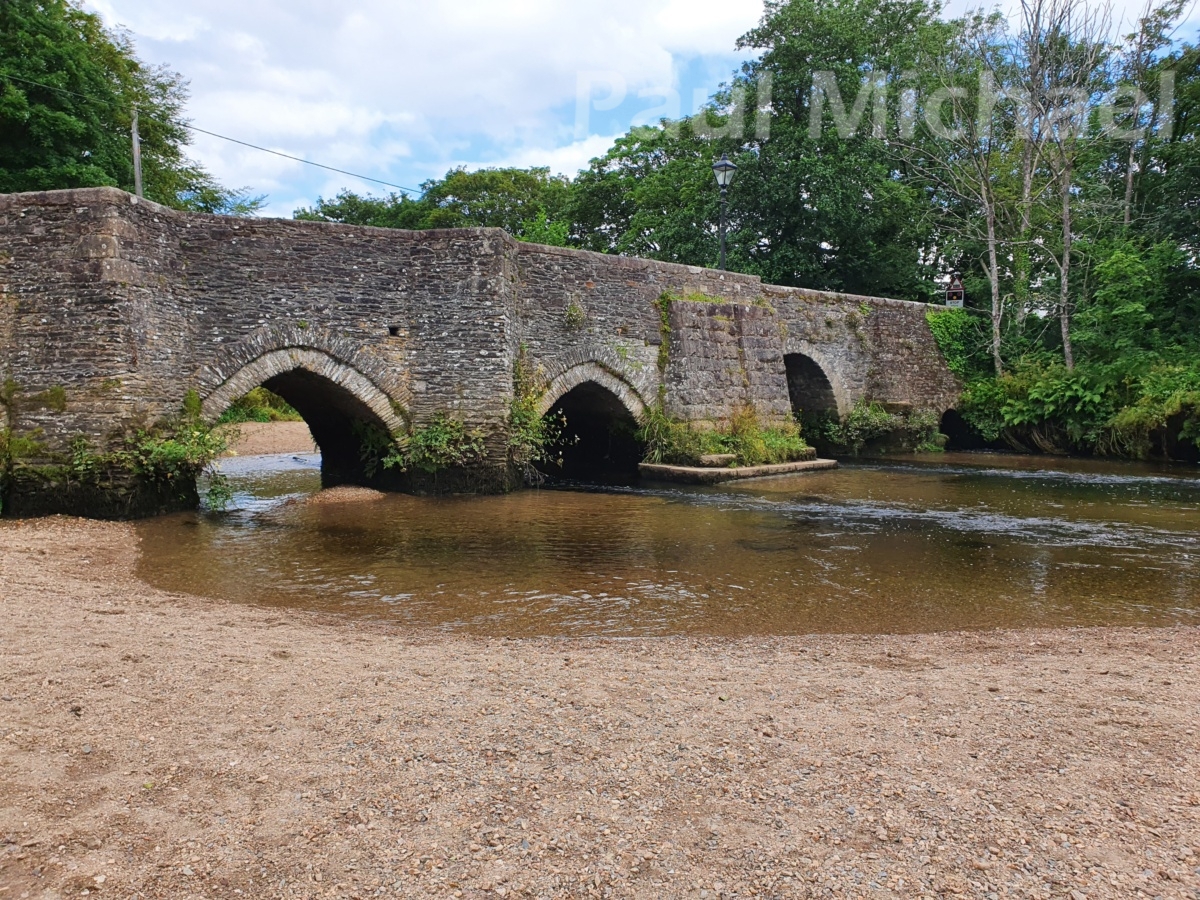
(531, 435)
(442, 443)
(981, 407)
(678, 443)
(1168, 406)
(259, 405)
(869, 423)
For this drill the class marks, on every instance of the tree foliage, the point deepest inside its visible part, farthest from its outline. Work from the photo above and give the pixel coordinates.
(68, 87)
(528, 203)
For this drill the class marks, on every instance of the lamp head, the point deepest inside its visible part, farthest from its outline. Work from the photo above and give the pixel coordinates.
(724, 170)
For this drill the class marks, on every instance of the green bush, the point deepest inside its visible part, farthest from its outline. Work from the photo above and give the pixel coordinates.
(441, 443)
(260, 405)
(531, 435)
(173, 451)
(869, 424)
(15, 447)
(678, 443)
(982, 408)
(1129, 408)
(1168, 407)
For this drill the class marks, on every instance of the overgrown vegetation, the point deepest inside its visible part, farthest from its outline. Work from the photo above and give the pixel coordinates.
(680, 443)
(259, 405)
(14, 448)
(1130, 393)
(870, 426)
(441, 443)
(532, 437)
(574, 315)
(174, 452)
(663, 305)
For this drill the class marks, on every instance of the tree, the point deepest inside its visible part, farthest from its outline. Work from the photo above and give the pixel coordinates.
(1136, 61)
(822, 206)
(530, 204)
(1075, 51)
(963, 149)
(68, 87)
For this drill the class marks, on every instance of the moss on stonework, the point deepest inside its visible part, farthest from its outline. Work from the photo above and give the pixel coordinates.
(54, 398)
(663, 304)
(701, 297)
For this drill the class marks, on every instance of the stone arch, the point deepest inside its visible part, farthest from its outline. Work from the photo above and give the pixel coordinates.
(599, 412)
(805, 363)
(277, 363)
(266, 350)
(599, 374)
(333, 388)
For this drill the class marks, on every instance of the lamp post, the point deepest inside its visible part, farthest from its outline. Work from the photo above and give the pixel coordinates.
(724, 170)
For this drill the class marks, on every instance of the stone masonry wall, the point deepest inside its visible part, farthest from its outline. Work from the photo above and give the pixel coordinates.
(722, 355)
(127, 306)
(123, 306)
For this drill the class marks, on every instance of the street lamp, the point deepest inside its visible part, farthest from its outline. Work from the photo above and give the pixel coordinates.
(724, 170)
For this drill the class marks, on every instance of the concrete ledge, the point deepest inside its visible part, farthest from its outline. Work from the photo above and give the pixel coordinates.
(696, 475)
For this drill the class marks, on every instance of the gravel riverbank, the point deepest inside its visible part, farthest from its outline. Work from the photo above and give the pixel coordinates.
(258, 438)
(159, 745)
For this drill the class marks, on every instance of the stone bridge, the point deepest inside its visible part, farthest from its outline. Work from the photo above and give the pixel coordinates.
(113, 310)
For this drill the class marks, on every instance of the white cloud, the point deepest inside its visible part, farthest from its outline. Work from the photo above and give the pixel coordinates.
(566, 160)
(401, 89)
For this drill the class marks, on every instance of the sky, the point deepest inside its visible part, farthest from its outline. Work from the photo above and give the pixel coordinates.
(405, 90)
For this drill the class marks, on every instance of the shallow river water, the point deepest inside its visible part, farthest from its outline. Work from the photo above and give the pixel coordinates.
(905, 545)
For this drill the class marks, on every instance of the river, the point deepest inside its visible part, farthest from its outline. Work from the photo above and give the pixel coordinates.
(913, 544)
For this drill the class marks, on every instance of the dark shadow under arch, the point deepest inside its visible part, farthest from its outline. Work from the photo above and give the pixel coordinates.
(959, 435)
(599, 437)
(350, 436)
(350, 417)
(809, 388)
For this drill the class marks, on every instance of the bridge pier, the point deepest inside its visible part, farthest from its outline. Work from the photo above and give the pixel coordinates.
(125, 325)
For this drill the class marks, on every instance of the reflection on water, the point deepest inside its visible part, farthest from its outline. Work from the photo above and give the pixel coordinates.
(919, 544)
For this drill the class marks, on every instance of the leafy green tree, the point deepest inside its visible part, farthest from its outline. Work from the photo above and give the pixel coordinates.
(826, 210)
(652, 195)
(68, 87)
(530, 204)
(349, 208)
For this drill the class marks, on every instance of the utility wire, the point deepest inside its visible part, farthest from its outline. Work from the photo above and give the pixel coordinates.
(307, 162)
(190, 127)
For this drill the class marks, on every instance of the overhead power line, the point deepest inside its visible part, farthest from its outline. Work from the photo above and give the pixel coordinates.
(224, 137)
(307, 162)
